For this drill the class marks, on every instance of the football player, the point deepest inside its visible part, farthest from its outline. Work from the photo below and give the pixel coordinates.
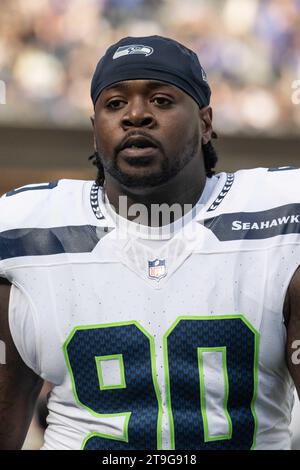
(161, 301)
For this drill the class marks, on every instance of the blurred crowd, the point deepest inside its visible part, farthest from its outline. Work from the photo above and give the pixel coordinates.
(249, 48)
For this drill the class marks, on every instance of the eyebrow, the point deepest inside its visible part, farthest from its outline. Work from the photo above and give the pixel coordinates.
(151, 85)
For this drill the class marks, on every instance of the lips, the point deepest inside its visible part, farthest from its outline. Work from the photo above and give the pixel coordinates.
(138, 142)
(136, 152)
(138, 147)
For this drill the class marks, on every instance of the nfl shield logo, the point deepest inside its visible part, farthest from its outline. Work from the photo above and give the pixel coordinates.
(157, 269)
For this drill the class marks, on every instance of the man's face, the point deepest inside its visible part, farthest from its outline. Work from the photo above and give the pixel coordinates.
(146, 132)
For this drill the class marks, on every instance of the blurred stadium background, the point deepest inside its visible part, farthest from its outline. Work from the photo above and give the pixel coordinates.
(49, 48)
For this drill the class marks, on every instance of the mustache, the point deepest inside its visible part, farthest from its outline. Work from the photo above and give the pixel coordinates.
(155, 142)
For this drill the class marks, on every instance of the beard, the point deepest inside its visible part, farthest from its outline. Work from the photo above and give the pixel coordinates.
(169, 167)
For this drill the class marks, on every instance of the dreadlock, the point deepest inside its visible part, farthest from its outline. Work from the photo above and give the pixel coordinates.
(210, 156)
(209, 153)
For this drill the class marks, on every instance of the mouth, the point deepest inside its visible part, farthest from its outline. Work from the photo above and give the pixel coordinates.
(138, 147)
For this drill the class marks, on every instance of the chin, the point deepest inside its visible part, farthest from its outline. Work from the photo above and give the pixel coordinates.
(142, 180)
(139, 177)
(142, 176)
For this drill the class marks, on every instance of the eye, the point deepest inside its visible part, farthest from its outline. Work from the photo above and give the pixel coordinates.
(162, 101)
(115, 103)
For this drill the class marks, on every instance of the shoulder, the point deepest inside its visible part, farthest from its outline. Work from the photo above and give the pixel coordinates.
(45, 219)
(259, 189)
(268, 187)
(257, 204)
(38, 205)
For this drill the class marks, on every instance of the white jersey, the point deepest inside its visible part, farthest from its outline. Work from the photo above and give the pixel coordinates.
(174, 345)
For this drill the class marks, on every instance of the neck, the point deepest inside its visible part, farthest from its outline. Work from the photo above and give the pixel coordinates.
(182, 192)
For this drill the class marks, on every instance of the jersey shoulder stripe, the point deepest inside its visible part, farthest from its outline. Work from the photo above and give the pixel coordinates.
(47, 241)
(270, 223)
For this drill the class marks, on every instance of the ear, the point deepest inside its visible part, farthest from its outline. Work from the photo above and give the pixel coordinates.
(92, 118)
(206, 123)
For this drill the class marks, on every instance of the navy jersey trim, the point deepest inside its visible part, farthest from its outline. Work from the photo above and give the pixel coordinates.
(281, 220)
(50, 241)
(37, 187)
(225, 190)
(282, 168)
(94, 195)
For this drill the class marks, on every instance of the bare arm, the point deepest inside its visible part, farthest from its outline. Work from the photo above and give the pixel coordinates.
(19, 386)
(292, 316)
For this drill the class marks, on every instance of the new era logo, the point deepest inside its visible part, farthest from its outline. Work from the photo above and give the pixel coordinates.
(133, 49)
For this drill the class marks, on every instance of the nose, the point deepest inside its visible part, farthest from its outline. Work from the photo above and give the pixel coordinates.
(138, 115)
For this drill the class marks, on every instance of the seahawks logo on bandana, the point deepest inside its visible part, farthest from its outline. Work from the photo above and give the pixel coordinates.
(133, 49)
